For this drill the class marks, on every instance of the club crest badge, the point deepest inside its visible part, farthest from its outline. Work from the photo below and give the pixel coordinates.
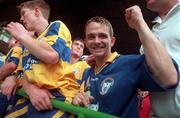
(106, 84)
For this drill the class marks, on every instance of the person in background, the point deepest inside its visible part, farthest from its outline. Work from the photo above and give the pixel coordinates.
(12, 58)
(78, 64)
(7, 75)
(114, 81)
(167, 30)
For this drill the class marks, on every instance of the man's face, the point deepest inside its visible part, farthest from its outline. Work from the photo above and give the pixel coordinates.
(156, 5)
(77, 48)
(98, 40)
(28, 18)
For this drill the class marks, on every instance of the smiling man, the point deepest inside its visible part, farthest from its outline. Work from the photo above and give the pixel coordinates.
(111, 86)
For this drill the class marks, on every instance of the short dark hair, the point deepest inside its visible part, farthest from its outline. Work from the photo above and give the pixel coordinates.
(78, 39)
(101, 20)
(44, 7)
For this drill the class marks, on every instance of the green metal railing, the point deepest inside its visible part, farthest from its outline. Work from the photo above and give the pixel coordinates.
(79, 111)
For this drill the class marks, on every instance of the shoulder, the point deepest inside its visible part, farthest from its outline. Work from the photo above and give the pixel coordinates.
(131, 58)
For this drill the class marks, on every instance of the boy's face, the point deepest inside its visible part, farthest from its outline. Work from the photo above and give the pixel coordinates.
(77, 48)
(98, 40)
(28, 18)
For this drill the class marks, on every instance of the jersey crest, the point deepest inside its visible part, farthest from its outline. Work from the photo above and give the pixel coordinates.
(106, 84)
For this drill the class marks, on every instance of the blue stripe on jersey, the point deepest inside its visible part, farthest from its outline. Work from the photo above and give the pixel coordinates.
(63, 51)
(65, 115)
(53, 29)
(19, 106)
(13, 59)
(28, 61)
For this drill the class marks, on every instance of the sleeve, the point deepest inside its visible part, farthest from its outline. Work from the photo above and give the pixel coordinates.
(148, 81)
(14, 55)
(59, 37)
(1, 61)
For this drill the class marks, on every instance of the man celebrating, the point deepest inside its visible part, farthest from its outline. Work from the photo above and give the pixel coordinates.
(113, 83)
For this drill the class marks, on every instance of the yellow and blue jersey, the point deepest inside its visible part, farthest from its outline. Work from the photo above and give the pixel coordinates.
(78, 69)
(14, 55)
(52, 76)
(1, 61)
(114, 87)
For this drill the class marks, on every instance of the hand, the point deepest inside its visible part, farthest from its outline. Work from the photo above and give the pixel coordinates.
(82, 99)
(90, 60)
(9, 85)
(134, 17)
(17, 30)
(39, 97)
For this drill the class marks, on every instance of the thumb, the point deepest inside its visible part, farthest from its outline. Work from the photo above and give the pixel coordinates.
(50, 95)
(91, 98)
(14, 91)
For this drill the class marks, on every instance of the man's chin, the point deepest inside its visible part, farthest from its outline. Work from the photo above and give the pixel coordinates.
(98, 55)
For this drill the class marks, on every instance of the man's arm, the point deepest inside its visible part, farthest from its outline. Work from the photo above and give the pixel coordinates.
(157, 58)
(7, 69)
(39, 97)
(39, 49)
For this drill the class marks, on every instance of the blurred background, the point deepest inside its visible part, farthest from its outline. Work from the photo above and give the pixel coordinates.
(74, 13)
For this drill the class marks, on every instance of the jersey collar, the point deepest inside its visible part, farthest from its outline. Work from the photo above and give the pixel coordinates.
(109, 60)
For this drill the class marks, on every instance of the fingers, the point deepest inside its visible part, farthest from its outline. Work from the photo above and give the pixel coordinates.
(6, 91)
(77, 99)
(91, 98)
(14, 90)
(85, 100)
(41, 104)
(36, 105)
(47, 100)
(82, 99)
(90, 60)
(47, 103)
(10, 26)
(41, 99)
(50, 95)
(128, 14)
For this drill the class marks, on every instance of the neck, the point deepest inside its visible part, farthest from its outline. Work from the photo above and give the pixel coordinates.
(167, 8)
(74, 59)
(42, 27)
(100, 61)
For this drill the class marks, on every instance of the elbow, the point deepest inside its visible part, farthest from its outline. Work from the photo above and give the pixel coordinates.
(173, 79)
(52, 58)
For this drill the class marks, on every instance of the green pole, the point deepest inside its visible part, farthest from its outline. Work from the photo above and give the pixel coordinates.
(80, 111)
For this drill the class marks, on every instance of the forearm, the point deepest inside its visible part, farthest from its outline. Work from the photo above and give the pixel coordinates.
(26, 85)
(41, 49)
(7, 69)
(157, 57)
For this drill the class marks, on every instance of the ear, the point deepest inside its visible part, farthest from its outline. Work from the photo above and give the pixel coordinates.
(37, 11)
(113, 40)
